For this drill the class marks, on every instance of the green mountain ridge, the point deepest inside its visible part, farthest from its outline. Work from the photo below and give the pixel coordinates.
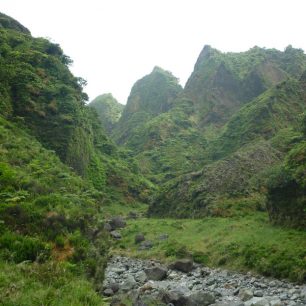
(237, 116)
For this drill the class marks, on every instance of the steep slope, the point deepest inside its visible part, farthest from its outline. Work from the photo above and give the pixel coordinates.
(59, 173)
(150, 96)
(254, 140)
(108, 109)
(185, 136)
(48, 216)
(38, 91)
(222, 82)
(286, 197)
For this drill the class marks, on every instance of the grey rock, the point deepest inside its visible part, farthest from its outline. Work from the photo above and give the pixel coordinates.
(114, 287)
(295, 296)
(116, 235)
(276, 302)
(229, 304)
(128, 284)
(184, 265)
(141, 277)
(210, 281)
(146, 245)
(201, 299)
(303, 293)
(283, 296)
(245, 294)
(236, 291)
(257, 301)
(108, 292)
(139, 238)
(175, 298)
(258, 293)
(117, 222)
(156, 273)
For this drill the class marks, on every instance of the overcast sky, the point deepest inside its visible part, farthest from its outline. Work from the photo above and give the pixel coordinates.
(113, 43)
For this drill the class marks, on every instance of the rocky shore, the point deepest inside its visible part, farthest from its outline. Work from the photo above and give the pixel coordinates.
(184, 283)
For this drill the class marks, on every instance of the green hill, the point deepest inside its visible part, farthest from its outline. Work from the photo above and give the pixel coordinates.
(108, 109)
(59, 176)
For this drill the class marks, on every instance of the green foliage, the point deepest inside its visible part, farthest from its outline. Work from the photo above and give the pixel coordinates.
(246, 242)
(108, 109)
(150, 96)
(20, 248)
(286, 189)
(276, 109)
(49, 283)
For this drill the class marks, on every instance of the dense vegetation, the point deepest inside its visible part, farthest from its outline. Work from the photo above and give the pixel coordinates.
(59, 174)
(108, 109)
(237, 117)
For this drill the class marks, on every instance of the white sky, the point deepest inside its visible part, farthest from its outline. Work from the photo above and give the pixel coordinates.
(113, 43)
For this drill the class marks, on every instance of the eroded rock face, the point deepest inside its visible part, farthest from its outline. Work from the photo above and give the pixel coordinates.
(200, 286)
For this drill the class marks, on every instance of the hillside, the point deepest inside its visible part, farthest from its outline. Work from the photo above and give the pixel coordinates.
(152, 95)
(109, 110)
(59, 176)
(215, 140)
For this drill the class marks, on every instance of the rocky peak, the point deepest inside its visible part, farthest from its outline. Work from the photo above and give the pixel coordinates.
(153, 93)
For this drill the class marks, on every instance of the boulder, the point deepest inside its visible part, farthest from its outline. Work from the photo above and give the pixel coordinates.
(258, 293)
(114, 287)
(141, 277)
(183, 265)
(146, 245)
(245, 294)
(108, 292)
(174, 298)
(128, 284)
(139, 238)
(229, 304)
(116, 235)
(201, 298)
(257, 301)
(276, 302)
(117, 222)
(157, 273)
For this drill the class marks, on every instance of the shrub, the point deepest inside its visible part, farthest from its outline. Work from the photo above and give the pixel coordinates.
(23, 248)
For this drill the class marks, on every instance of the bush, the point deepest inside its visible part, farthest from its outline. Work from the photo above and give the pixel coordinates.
(21, 248)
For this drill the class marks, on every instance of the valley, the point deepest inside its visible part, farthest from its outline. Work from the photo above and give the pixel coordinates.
(213, 173)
